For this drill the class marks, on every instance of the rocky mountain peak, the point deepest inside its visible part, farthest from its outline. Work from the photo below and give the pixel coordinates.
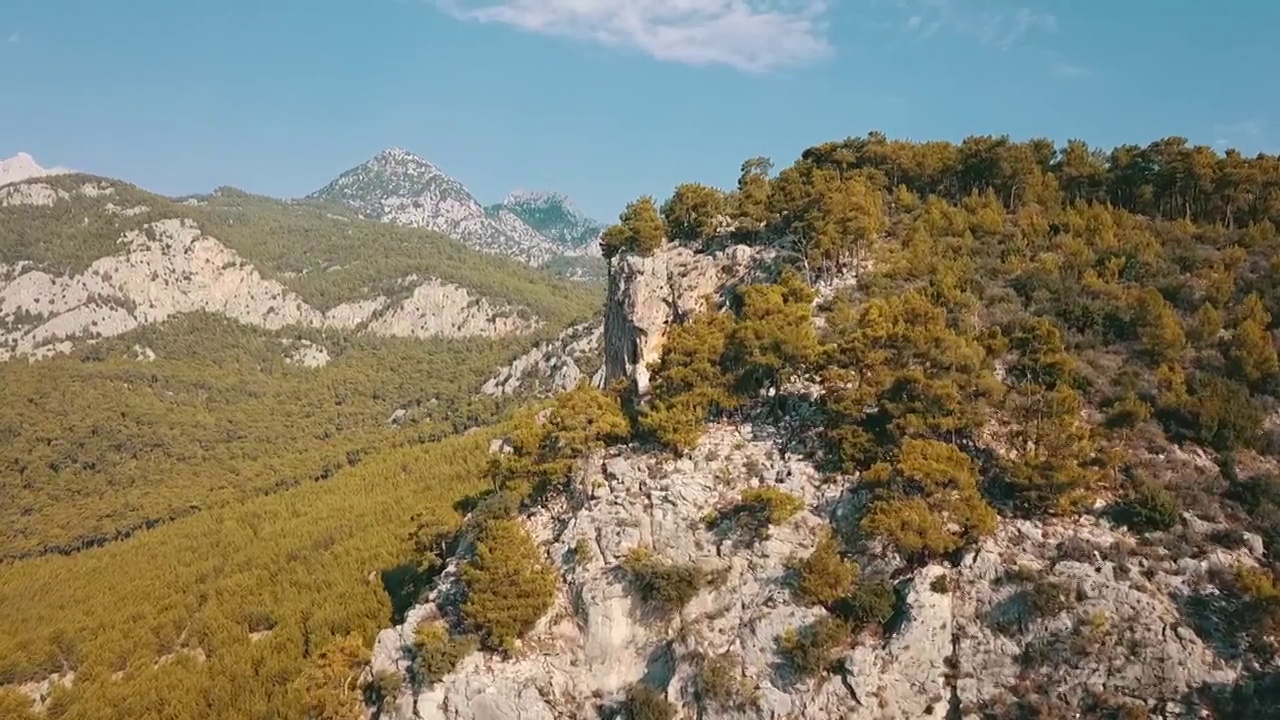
(23, 167)
(555, 216)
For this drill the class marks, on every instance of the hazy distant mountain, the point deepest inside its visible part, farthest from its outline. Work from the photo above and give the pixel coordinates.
(399, 187)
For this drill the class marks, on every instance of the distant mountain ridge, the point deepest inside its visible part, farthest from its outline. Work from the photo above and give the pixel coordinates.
(24, 167)
(399, 187)
(555, 216)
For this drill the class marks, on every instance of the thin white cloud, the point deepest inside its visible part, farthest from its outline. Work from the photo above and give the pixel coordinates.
(14, 38)
(749, 35)
(1064, 70)
(990, 23)
(1245, 132)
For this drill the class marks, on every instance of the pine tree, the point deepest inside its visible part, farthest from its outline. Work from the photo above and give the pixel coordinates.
(927, 502)
(1251, 350)
(693, 213)
(508, 585)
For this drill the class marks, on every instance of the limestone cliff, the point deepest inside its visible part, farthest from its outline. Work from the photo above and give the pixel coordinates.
(647, 294)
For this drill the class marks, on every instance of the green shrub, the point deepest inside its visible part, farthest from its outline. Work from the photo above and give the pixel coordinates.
(871, 604)
(1048, 598)
(777, 506)
(1149, 507)
(824, 577)
(437, 652)
(940, 584)
(811, 650)
(665, 588)
(383, 688)
(508, 585)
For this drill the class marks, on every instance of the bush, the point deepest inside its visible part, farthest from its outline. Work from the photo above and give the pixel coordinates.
(665, 588)
(824, 577)
(383, 688)
(437, 652)
(1149, 507)
(721, 685)
(813, 649)
(777, 506)
(646, 703)
(508, 585)
(1047, 598)
(870, 604)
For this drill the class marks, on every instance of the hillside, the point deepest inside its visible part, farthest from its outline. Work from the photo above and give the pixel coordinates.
(991, 447)
(983, 430)
(206, 351)
(542, 229)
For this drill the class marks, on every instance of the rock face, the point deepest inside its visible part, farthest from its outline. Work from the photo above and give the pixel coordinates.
(171, 267)
(965, 639)
(648, 294)
(553, 367)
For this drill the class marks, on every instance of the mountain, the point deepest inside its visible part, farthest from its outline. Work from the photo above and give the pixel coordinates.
(21, 167)
(556, 217)
(401, 188)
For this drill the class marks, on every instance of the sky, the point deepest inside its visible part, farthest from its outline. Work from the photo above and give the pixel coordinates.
(606, 100)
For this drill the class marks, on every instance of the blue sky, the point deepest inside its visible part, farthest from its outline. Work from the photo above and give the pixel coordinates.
(279, 96)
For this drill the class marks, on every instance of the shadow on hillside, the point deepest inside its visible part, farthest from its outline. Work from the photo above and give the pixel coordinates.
(403, 584)
(1255, 696)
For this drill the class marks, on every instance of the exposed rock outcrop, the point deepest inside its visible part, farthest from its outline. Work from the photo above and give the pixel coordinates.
(553, 367)
(965, 639)
(171, 267)
(648, 294)
(23, 167)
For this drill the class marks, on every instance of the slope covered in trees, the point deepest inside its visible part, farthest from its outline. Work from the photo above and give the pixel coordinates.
(1012, 329)
(101, 443)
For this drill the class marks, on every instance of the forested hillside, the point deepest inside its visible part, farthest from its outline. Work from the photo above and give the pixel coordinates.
(198, 410)
(967, 337)
(1080, 313)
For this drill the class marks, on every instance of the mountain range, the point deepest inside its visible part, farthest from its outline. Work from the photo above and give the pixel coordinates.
(401, 188)
(540, 228)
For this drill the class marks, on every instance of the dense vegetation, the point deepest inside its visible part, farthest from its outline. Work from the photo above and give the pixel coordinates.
(1011, 328)
(218, 614)
(100, 444)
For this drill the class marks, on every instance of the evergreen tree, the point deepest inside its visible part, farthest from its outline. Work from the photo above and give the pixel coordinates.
(508, 585)
(927, 502)
(693, 213)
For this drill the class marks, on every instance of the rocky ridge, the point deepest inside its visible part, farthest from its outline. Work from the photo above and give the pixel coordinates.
(1073, 611)
(960, 643)
(399, 187)
(171, 266)
(554, 366)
